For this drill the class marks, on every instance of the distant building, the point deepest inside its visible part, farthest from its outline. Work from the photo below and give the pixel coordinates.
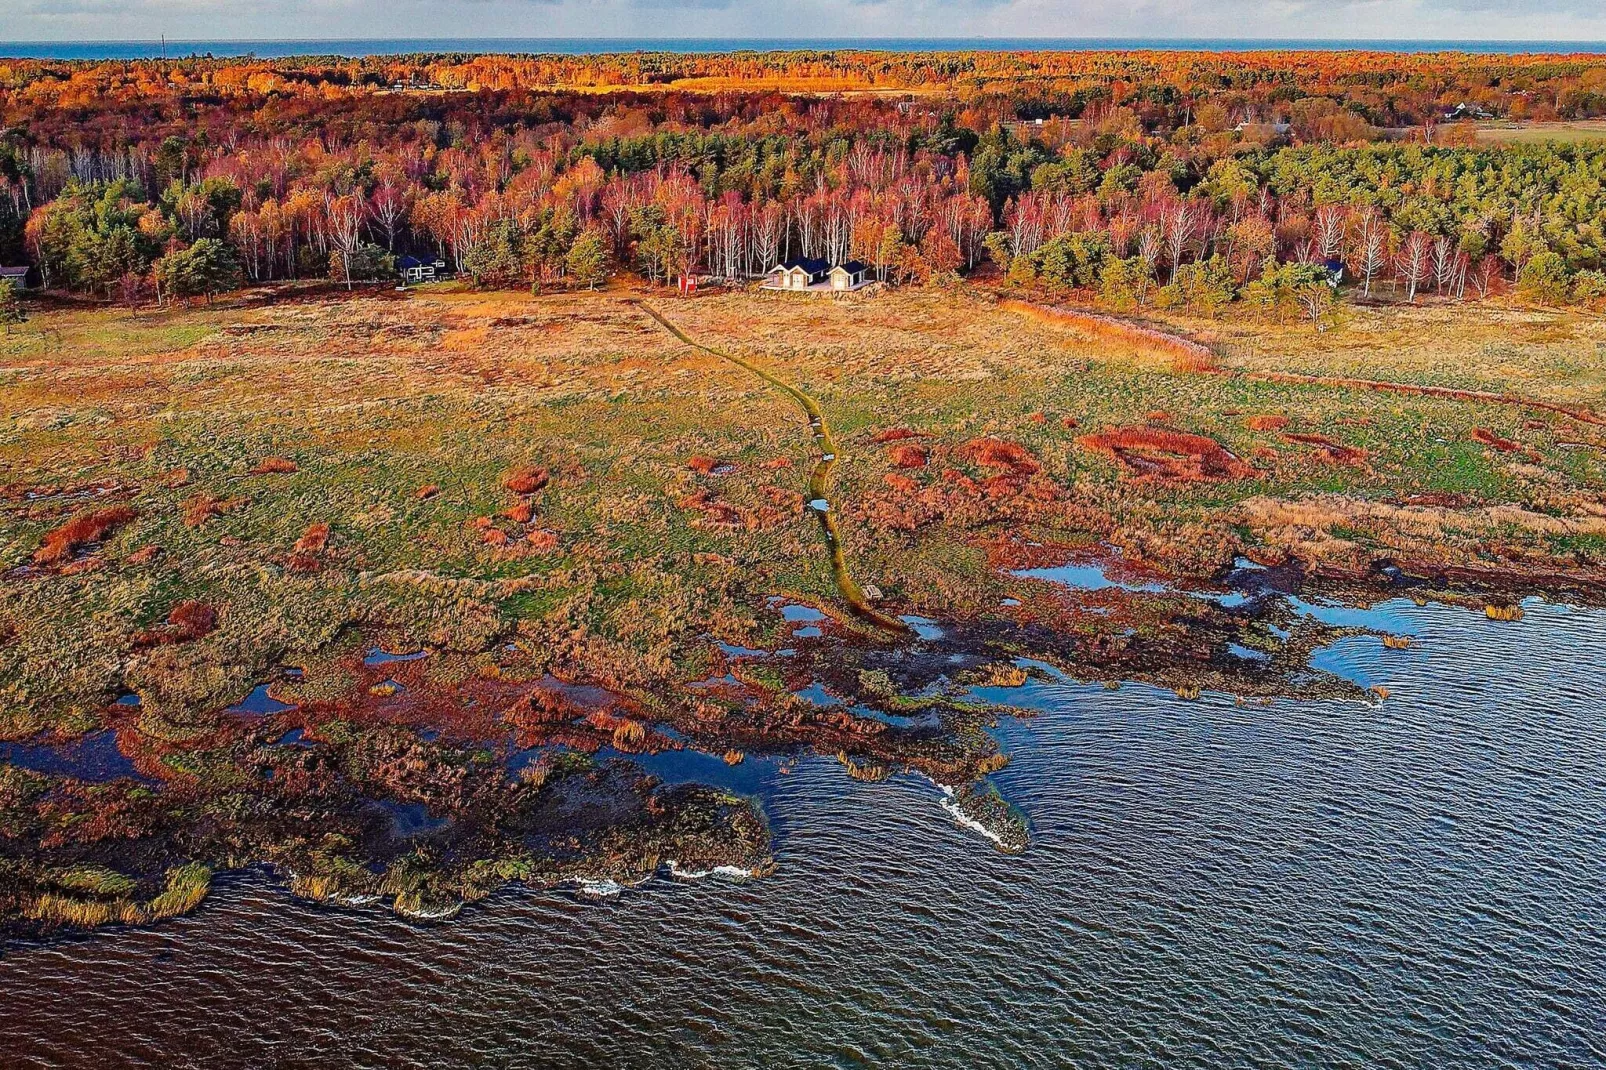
(816, 273)
(849, 276)
(413, 269)
(16, 276)
(1464, 110)
(799, 274)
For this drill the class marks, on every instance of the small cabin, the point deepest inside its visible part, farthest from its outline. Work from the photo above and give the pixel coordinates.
(799, 274)
(849, 276)
(413, 269)
(16, 276)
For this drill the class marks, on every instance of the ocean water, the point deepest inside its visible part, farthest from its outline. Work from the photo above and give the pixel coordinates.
(1415, 883)
(582, 46)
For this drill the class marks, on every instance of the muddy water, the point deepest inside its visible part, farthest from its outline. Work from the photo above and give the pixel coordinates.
(1416, 883)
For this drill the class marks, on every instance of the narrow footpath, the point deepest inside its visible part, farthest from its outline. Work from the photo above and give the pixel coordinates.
(819, 502)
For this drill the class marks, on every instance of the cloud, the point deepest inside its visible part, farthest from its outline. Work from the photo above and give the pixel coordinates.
(226, 19)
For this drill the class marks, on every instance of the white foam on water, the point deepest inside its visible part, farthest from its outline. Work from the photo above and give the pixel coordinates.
(963, 820)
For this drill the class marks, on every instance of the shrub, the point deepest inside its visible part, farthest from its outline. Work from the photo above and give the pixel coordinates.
(1589, 287)
(1544, 280)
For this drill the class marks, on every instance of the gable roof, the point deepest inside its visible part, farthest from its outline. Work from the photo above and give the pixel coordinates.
(814, 265)
(853, 267)
(406, 262)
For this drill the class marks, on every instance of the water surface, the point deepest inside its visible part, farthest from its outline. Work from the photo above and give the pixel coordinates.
(1416, 883)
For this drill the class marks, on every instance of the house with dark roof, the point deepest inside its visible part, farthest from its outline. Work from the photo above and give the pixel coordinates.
(16, 276)
(817, 273)
(849, 276)
(799, 274)
(413, 269)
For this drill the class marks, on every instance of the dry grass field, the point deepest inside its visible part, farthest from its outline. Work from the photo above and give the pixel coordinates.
(1512, 133)
(553, 492)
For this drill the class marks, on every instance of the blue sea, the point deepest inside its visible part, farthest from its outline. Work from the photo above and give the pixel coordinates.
(1210, 884)
(583, 46)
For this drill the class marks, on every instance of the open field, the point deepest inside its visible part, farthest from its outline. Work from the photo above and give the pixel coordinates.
(1505, 132)
(569, 509)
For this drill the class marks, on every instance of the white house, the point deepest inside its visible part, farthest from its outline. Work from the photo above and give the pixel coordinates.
(799, 274)
(849, 276)
(815, 273)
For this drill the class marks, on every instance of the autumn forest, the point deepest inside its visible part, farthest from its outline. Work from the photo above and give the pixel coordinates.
(1187, 180)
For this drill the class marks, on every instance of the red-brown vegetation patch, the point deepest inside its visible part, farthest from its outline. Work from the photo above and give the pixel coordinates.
(60, 545)
(701, 463)
(542, 541)
(775, 464)
(721, 514)
(1038, 417)
(144, 555)
(428, 491)
(1010, 551)
(1269, 422)
(1159, 416)
(894, 434)
(998, 454)
(909, 456)
(1070, 423)
(901, 482)
(274, 466)
(187, 621)
(957, 499)
(199, 508)
(1162, 454)
(520, 512)
(1489, 438)
(304, 555)
(314, 539)
(1328, 450)
(526, 480)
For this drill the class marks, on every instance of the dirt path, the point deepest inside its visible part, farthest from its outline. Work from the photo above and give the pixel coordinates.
(819, 478)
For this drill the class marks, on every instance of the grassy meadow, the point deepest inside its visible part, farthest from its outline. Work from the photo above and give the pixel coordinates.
(400, 417)
(570, 510)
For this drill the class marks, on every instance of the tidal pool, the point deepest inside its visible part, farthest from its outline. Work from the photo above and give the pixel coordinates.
(1412, 883)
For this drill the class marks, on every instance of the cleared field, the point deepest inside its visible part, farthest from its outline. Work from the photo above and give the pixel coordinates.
(1508, 133)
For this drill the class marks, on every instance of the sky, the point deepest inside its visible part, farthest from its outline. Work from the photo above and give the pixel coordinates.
(106, 20)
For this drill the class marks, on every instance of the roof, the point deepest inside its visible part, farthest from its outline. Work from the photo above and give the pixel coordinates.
(22, 270)
(407, 262)
(814, 265)
(855, 267)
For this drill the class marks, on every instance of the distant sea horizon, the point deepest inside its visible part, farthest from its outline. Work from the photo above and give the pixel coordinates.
(581, 46)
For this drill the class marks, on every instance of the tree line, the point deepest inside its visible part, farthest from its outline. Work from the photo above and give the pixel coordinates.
(512, 186)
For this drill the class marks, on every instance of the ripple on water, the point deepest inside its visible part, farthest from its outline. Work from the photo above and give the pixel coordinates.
(1209, 885)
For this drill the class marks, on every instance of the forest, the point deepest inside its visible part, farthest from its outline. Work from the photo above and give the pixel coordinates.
(1195, 181)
